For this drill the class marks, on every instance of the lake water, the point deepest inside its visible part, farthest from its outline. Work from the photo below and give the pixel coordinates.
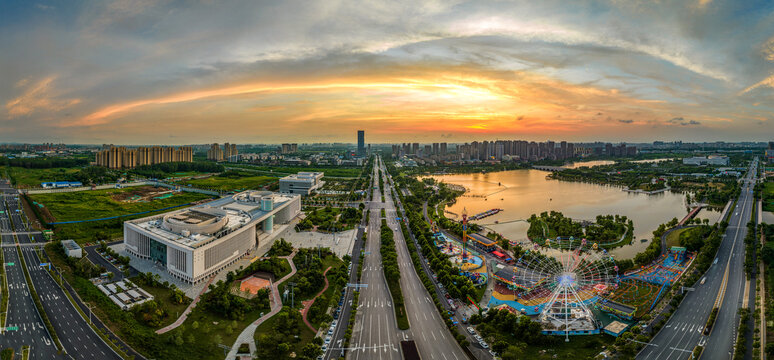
(521, 193)
(592, 163)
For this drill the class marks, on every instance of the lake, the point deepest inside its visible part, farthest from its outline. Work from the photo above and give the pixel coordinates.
(521, 193)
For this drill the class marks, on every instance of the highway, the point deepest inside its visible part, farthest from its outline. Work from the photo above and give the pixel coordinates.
(22, 316)
(683, 331)
(375, 334)
(428, 330)
(76, 336)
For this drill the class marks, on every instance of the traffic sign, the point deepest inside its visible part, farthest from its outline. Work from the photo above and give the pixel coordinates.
(12, 328)
(9, 264)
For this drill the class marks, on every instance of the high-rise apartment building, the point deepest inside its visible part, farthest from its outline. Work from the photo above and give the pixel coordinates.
(117, 157)
(288, 148)
(361, 142)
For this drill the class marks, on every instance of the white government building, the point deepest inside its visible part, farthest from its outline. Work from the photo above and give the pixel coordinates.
(302, 183)
(196, 242)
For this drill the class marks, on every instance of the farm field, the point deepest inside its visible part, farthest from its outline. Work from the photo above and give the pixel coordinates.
(228, 183)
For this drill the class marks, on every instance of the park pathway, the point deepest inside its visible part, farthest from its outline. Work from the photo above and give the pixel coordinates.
(247, 336)
(187, 311)
(308, 303)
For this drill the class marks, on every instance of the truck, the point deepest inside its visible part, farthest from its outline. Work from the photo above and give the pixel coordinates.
(409, 349)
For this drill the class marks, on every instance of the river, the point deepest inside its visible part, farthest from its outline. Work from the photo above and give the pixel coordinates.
(521, 193)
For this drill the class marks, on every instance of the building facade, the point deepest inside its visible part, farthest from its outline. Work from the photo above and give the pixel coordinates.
(361, 142)
(118, 157)
(302, 183)
(194, 243)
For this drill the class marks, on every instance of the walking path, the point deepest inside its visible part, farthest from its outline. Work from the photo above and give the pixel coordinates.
(308, 304)
(187, 311)
(247, 336)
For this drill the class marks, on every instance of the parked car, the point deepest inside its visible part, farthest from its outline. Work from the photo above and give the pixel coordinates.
(472, 331)
(483, 344)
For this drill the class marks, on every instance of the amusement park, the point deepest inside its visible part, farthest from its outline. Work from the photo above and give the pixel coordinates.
(569, 285)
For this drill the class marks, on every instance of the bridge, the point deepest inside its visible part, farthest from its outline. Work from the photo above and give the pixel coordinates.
(691, 214)
(549, 168)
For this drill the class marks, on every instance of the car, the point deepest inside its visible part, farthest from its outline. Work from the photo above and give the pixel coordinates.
(334, 323)
(472, 331)
(324, 348)
(327, 340)
(483, 344)
(335, 315)
(491, 352)
(330, 331)
(478, 337)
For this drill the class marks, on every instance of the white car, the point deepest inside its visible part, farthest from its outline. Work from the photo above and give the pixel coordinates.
(471, 330)
(327, 340)
(334, 323)
(491, 352)
(324, 348)
(483, 345)
(330, 331)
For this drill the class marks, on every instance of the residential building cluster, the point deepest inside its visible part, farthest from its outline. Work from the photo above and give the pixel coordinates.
(229, 152)
(288, 148)
(120, 157)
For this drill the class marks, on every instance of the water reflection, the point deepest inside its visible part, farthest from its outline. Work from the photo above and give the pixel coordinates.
(522, 193)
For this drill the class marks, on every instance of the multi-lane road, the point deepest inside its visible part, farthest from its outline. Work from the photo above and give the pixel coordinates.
(725, 283)
(428, 329)
(76, 336)
(22, 316)
(375, 334)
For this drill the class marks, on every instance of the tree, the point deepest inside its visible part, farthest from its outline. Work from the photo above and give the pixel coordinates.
(311, 351)
(195, 325)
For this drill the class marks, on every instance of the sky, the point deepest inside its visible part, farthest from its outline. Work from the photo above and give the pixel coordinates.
(184, 72)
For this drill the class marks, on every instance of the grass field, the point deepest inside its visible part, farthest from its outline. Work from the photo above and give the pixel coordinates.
(329, 171)
(31, 178)
(673, 239)
(768, 195)
(84, 205)
(231, 184)
(579, 347)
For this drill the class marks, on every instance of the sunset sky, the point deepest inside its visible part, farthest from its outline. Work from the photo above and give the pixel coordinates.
(180, 72)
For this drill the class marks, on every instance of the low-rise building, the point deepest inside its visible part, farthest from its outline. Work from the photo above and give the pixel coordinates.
(302, 183)
(194, 243)
(72, 249)
(721, 160)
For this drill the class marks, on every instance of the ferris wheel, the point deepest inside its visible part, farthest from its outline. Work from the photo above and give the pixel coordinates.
(563, 280)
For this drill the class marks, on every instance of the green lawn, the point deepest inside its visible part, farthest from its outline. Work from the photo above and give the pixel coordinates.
(673, 239)
(579, 347)
(163, 295)
(231, 184)
(305, 335)
(768, 195)
(84, 205)
(95, 204)
(336, 171)
(31, 178)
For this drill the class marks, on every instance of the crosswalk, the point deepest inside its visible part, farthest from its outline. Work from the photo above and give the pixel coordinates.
(684, 326)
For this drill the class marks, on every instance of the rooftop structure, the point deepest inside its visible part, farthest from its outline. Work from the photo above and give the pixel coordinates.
(72, 249)
(196, 242)
(302, 183)
(709, 160)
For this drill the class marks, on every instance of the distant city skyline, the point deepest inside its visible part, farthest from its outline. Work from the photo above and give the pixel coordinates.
(138, 72)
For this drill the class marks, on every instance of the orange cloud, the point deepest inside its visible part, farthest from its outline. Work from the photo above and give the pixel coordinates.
(40, 96)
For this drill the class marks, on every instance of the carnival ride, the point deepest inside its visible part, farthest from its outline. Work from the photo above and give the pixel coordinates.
(567, 283)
